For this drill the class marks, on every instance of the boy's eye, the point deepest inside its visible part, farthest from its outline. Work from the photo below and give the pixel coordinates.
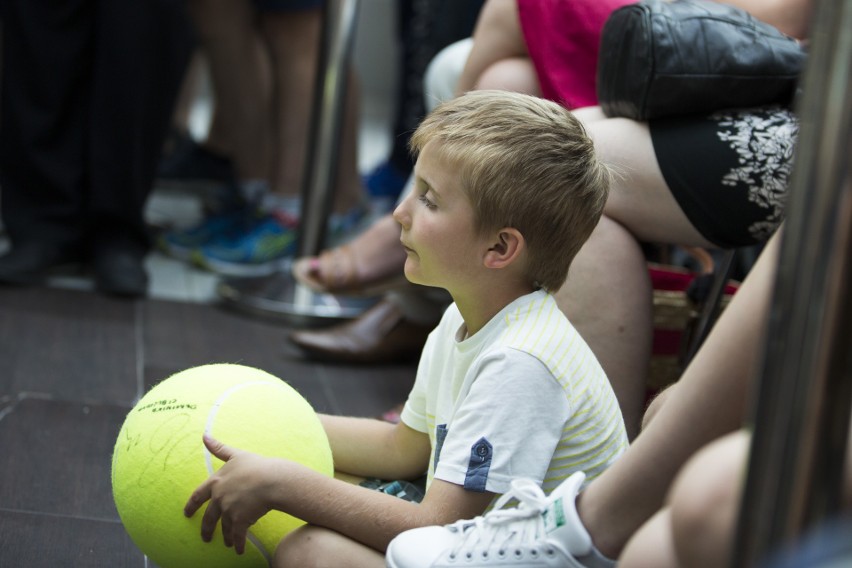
(425, 201)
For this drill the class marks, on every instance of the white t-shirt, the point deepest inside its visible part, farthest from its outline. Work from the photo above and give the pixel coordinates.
(523, 397)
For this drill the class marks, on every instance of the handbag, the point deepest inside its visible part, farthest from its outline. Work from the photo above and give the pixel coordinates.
(663, 58)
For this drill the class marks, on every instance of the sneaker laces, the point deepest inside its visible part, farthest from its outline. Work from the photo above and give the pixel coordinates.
(498, 530)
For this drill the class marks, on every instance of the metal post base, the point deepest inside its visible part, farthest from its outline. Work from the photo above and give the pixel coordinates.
(281, 297)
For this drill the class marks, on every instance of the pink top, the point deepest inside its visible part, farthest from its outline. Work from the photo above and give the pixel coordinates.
(563, 38)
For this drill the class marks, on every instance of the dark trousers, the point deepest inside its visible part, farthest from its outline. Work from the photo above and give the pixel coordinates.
(88, 88)
(425, 28)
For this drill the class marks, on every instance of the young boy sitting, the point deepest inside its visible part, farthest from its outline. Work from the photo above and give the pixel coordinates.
(507, 190)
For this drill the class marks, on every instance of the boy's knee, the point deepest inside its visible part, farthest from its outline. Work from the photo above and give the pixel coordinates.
(301, 548)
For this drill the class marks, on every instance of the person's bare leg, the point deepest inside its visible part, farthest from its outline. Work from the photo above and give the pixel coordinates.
(377, 257)
(294, 41)
(652, 546)
(315, 547)
(655, 405)
(497, 37)
(704, 501)
(709, 401)
(239, 71)
(696, 527)
(639, 198)
(608, 292)
(515, 74)
(607, 297)
(348, 189)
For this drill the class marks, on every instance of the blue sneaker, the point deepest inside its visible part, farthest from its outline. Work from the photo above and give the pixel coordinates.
(183, 243)
(263, 249)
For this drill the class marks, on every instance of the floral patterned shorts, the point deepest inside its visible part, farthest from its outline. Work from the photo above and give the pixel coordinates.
(729, 171)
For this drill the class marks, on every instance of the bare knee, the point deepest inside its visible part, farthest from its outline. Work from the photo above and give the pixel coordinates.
(515, 74)
(300, 548)
(705, 499)
(316, 547)
(650, 546)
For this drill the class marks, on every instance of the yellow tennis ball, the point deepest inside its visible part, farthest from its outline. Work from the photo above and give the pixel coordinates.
(159, 458)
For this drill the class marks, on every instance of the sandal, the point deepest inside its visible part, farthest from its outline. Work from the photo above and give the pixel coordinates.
(336, 271)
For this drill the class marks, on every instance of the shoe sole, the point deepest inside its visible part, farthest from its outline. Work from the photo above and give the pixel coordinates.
(242, 270)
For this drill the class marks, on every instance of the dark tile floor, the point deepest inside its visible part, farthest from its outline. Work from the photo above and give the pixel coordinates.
(72, 363)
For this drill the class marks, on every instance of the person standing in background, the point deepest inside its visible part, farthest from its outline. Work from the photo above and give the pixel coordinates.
(87, 94)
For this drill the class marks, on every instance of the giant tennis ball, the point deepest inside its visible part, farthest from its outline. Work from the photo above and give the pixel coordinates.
(159, 458)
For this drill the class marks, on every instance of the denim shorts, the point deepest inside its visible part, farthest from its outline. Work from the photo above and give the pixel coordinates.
(729, 171)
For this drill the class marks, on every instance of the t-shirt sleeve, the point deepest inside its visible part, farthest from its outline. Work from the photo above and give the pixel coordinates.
(414, 411)
(507, 426)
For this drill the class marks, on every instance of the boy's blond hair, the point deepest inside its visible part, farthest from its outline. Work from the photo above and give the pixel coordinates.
(525, 163)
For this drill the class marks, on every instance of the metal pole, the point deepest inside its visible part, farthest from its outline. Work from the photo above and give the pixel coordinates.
(279, 295)
(712, 303)
(802, 400)
(327, 117)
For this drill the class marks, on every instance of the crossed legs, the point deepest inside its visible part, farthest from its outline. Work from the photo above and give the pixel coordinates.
(708, 402)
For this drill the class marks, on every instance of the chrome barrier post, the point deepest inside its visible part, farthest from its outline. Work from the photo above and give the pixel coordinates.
(802, 400)
(280, 295)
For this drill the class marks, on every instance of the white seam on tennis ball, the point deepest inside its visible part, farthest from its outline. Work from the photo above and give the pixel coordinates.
(208, 459)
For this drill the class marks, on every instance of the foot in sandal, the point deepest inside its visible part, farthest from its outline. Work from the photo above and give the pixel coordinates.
(367, 266)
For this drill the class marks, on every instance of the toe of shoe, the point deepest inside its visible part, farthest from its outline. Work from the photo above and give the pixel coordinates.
(419, 548)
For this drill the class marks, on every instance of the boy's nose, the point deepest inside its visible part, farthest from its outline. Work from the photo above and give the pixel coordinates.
(400, 214)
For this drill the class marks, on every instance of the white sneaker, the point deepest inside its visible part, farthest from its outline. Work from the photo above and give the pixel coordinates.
(541, 532)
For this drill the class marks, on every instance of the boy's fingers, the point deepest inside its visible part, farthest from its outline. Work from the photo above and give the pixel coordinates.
(217, 448)
(197, 499)
(209, 520)
(240, 539)
(227, 535)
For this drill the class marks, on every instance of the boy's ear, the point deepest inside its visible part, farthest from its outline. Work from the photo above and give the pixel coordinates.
(505, 250)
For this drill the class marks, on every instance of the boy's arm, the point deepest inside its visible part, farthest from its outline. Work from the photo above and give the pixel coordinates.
(248, 486)
(375, 518)
(368, 447)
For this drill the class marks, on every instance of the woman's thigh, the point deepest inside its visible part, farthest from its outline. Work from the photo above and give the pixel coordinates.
(716, 180)
(639, 197)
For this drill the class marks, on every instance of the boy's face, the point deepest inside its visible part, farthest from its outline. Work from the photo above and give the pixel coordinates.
(437, 227)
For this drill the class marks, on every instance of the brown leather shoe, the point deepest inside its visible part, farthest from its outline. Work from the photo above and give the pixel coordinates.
(379, 335)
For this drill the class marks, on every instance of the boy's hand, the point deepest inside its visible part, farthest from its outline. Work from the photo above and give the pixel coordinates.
(237, 494)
